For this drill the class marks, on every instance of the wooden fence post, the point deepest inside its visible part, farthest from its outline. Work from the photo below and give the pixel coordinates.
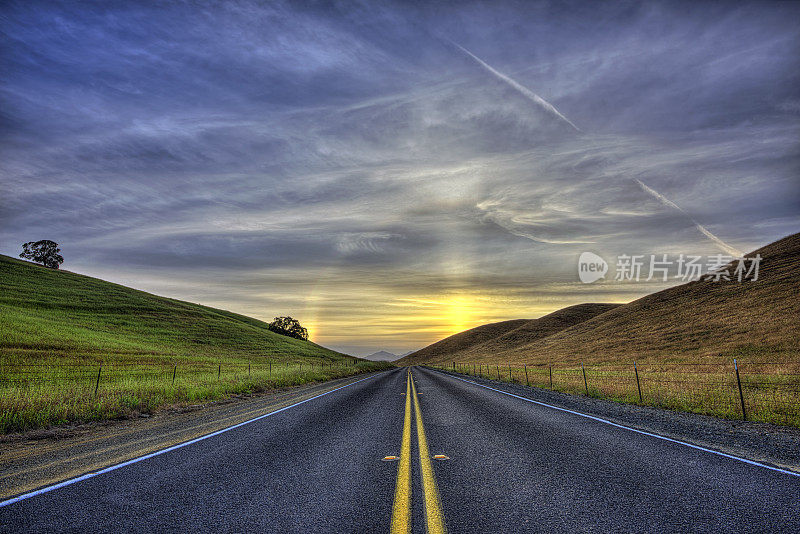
(551, 376)
(585, 384)
(527, 382)
(739, 382)
(638, 386)
(174, 370)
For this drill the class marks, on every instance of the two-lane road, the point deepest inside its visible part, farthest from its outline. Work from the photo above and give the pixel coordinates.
(514, 466)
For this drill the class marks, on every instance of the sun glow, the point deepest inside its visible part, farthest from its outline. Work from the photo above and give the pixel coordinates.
(459, 313)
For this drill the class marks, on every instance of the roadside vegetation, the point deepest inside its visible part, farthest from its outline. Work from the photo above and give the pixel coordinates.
(59, 331)
(770, 391)
(683, 339)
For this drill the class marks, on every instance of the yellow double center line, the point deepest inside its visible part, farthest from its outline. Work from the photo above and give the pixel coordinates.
(401, 511)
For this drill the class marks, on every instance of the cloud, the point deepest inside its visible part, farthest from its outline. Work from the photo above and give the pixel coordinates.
(332, 162)
(667, 202)
(370, 242)
(527, 93)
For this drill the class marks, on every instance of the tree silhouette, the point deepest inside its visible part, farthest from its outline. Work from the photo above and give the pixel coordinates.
(45, 252)
(286, 326)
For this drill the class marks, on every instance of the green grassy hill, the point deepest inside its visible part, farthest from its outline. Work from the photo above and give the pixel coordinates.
(60, 331)
(49, 314)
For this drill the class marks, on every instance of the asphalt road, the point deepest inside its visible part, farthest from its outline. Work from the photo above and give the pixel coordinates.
(513, 466)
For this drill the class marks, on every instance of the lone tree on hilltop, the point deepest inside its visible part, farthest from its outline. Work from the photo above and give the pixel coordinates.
(286, 326)
(45, 252)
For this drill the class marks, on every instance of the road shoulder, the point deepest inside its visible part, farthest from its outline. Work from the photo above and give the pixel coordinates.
(38, 459)
(761, 442)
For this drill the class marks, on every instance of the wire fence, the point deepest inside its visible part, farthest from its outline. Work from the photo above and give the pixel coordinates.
(60, 391)
(761, 391)
(112, 375)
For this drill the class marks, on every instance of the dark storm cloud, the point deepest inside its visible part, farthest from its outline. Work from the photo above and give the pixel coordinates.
(273, 157)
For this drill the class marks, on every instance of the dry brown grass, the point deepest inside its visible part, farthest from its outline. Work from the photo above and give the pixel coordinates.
(698, 322)
(463, 341)
(771, 391)
(684, 340)
(474, 344)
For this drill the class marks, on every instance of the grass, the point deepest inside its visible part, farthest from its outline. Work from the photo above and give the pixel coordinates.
(482, 343)
(771, 390)
(50, 396)
(58, 328)
(697, 322)
(684, 339)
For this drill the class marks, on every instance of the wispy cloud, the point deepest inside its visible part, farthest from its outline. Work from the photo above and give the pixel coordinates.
(705, 231)
(527, 93)
(329, 162)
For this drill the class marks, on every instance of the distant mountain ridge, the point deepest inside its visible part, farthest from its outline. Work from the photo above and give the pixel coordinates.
(386, 356)
(382, 356)
(701, 321)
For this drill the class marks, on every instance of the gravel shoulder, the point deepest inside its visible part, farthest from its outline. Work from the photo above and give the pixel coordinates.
(762, 442)
(40, 458)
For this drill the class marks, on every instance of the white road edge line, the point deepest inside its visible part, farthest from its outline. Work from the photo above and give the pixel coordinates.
(71, 481)
(601, 420)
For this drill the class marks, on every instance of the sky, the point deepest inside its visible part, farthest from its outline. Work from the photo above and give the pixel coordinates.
(392, 173)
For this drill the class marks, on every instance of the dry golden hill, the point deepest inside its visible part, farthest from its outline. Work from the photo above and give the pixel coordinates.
(700, 321)
(461, 342)
(471, 345)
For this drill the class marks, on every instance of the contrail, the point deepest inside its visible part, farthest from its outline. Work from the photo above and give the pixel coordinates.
(527, 93)
(667, 202)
